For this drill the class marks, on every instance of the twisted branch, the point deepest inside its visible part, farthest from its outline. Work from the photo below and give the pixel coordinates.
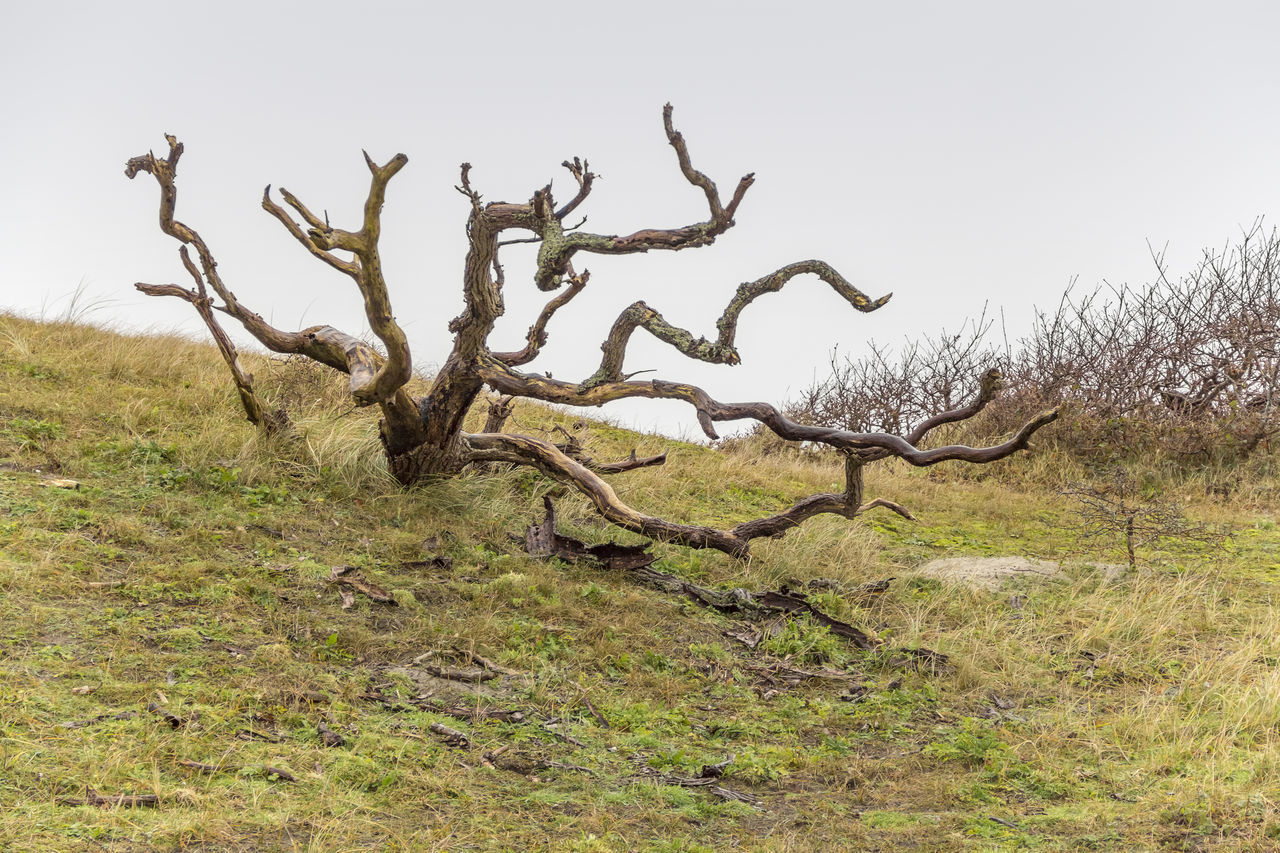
(505, 380)
(325, 344)
(558, 248)
(537, 336)
(554, 462)
(722, 350)
(389, 374)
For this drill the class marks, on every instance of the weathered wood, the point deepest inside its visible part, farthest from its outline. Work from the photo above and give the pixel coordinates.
(542, 540)
(423, 436)
(352, 577)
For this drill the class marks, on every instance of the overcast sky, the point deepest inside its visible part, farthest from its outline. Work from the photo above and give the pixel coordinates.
(952, 153)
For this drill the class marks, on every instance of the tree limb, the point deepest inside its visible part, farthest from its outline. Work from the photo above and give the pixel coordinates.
(537, 336)
(505, 380)
(584, 176)
(392, 372)
(558, 248)
(722, 350)
(555, 463)
(321, 343)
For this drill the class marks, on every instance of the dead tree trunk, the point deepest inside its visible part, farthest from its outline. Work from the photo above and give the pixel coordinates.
(424, 436)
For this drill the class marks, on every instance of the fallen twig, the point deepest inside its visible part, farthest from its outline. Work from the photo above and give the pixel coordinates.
(599, 718)
(453, 673)
(266, 769)
(93, 798)
(169, 717)
(253, 734)
(328, 736)
(549, 727)
(707, 779)
(781, 672)
(471, 714)
(204, 768)
(922, 660)
(101, 718)
(453, 737)
(350, 576)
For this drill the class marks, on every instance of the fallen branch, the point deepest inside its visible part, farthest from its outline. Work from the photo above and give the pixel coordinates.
(599, 718)
(707, 779)
(174, 721)
(101, 718)
(453, 737)
(328, 736)
(472, 714)
(253, 734)
(453, 673)
(542, 540)
(781, 673)
(350, 576)
(266, 769)
(471, 675)
(550, 727)
(279, 772)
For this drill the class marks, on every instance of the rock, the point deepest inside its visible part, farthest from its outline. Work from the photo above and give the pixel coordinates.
(989, 572)
(61, 484)
(992, 572)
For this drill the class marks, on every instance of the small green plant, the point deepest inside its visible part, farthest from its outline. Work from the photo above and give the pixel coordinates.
(330, 650)
(264, 495)
(33, 433)
(803, 641)
(762, 764)
(971, 743)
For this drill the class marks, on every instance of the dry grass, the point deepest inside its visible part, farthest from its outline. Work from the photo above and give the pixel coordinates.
(189, 571)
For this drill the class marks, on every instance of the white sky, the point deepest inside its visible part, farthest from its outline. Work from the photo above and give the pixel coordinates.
(953, 153)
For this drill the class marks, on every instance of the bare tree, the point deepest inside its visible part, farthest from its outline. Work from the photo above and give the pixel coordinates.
(1113, 504)
(424, 436)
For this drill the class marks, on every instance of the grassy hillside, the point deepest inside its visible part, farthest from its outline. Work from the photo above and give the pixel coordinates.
(169, 632)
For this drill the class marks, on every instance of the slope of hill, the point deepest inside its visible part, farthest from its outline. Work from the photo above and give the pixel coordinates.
(187, 665)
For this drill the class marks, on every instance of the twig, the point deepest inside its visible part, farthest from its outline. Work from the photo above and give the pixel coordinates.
(93, 798)
(453, 737)
(599, 718)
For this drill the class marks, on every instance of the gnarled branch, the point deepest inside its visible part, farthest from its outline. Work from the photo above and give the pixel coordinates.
(722, 350)
(555, 463)
(391, 373)
(325, 344)
(537, 336)
(505, 380)
(558, 247)
(550, 460)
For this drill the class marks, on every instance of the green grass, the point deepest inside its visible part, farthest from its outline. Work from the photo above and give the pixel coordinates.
(187, 576)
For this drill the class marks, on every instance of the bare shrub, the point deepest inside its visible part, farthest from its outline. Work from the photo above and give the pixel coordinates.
(1187, 366)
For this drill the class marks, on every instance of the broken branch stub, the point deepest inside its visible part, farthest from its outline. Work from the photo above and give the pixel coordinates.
(423, 434)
